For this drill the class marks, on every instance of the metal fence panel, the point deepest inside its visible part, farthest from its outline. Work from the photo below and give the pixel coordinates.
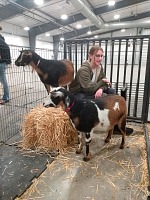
(126, 62)
(26, 92)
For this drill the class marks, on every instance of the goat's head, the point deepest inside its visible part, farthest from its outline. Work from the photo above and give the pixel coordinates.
(24, 58)
(59, 98)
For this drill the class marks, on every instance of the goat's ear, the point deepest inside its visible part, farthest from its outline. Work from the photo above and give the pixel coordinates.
(21, 50)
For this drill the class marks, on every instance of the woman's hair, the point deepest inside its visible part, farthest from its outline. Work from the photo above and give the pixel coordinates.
(95, 49)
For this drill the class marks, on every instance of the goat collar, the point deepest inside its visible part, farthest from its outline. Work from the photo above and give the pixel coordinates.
(34, 66)
(68, 109)
(38, 63)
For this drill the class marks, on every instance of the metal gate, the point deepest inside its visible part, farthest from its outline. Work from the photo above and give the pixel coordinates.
(126, 62)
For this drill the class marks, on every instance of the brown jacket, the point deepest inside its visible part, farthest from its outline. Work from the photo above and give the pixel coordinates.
(83, 80)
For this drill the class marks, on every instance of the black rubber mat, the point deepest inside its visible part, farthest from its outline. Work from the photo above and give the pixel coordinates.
(17, 169)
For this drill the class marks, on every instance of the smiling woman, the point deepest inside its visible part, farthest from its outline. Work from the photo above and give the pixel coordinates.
(90, 81)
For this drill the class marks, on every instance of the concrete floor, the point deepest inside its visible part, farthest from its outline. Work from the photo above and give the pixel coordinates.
(110, 174)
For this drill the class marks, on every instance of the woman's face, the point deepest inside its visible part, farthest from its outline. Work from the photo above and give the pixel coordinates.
(96, 58)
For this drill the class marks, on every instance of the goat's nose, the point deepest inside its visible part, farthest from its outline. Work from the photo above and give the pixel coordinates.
(17, 63)
(48, 105)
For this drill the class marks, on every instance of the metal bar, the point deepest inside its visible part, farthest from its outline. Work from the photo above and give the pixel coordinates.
(87, 50)
(70, 51)
(112, 60)
(134, 119)
(118, 66)
(126, 54)
(65, 51)
(147, 151)
(110, 38)
(146, 87)
(106, 44)
(131, 76)
(138, 79)
(100, 43)
(81, 53)
(76, 57)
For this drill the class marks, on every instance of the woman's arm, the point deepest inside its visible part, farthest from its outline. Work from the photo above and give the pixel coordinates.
(85, 80)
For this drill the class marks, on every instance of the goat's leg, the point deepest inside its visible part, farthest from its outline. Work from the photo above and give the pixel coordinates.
(122, 127)
(110, 132)
(67, 87)
(48, 88)
(87, 140)
(80, 145)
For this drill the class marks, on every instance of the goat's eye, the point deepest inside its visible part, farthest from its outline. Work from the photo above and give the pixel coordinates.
(25, 56)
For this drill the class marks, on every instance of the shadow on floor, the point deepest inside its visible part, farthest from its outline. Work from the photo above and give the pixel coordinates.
(18, 168)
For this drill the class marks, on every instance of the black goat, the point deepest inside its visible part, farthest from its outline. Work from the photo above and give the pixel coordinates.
(51, 72)
(102, 113)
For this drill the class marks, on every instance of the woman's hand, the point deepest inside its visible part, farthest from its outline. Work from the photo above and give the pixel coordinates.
(106, 81)
(98, 93)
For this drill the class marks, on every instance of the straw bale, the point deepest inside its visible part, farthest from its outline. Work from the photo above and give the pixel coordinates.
(47, 129)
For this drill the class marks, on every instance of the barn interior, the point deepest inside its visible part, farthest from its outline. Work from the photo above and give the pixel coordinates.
(58, 29)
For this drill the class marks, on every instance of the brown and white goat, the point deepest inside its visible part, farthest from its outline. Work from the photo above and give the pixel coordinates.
(51, 72)
(103, 114)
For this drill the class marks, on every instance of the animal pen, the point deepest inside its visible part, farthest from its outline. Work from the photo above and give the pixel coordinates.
(126, 63)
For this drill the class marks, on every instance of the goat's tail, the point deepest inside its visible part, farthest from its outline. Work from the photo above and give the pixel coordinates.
(124, 92)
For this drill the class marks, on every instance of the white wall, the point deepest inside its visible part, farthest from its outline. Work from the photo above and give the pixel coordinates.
(13, 29)
(44, 45)
(19, 37)
(16, 40)
(128, 32)
(24, 41)
(146, 32)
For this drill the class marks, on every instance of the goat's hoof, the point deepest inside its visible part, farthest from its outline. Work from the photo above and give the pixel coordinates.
(86, 159)
(78, 151)
(121, 146)
(107, 140)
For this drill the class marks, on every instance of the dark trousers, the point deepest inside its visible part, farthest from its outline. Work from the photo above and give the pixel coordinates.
(83, 95)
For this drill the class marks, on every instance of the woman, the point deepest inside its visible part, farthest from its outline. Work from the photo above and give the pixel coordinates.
(90, 81)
